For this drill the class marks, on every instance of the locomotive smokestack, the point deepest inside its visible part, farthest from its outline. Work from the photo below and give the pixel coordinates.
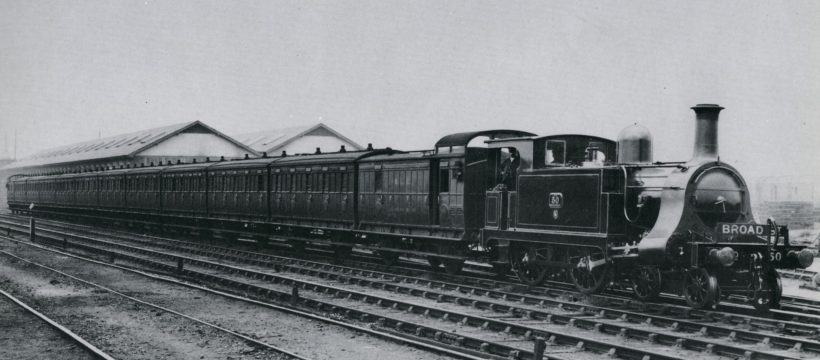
(706, 131)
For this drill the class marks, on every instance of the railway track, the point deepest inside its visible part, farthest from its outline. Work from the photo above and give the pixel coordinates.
(792, 308)
(251, 341)
(331, 320)
(20, 318)
(459, 300)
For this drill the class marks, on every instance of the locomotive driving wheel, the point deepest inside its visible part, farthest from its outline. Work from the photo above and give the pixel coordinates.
(525, 262)
(767, 290)
(646, 282)
(700, 288)
(588, 270)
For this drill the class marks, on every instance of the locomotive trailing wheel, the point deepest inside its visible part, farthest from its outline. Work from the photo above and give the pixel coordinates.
(589, 271)
(767, 290)
(525, 262)
(646, 282)
(700, 288)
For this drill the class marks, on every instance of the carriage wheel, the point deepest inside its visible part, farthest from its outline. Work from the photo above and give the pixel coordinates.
(453, 266)
(587, 281)
(297, 246)
(767, 291)
(389, 258)
(523, 260)
(646, 282)
(341, 253)
(501, 270)
(434, 262)
(700, 288)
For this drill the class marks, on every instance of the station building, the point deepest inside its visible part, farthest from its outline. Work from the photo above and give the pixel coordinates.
(298, 140)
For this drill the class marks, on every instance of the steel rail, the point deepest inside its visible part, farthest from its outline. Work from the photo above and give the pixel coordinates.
(527, 332)
(692, 344)
(158, 307)
(96, 352)
(411, 340)
(580, 321)
(778, 325)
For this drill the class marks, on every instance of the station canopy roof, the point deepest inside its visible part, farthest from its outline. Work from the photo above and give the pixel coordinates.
(124, 145)
(271, 140)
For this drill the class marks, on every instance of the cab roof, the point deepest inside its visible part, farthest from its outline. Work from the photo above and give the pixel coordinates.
(464, 138)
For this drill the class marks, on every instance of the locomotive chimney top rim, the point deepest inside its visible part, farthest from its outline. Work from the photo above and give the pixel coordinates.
(707, 106)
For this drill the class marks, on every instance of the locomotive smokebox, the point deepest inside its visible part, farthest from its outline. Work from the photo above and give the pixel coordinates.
(706, 131)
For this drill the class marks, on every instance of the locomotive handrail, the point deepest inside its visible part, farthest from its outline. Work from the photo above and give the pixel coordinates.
(773, 225)
(626, 181)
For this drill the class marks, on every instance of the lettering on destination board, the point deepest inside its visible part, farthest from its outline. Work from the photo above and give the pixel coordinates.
(743, 229)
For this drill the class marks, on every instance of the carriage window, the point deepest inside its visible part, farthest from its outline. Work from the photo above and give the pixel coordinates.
(556, 152)
(260, 183)
(444, 180)
(379, 180)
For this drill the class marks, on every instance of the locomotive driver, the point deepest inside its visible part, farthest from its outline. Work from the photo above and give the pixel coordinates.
(509, 167)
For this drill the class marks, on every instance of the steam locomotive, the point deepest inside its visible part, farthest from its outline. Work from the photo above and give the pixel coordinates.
(587, 209)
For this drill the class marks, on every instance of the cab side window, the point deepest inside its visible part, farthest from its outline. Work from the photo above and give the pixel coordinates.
(556, 154)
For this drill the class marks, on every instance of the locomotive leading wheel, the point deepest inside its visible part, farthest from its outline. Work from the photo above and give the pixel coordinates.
(646, 282)
(524, 261)
(700, 288)
(767, 290)
(583, 273)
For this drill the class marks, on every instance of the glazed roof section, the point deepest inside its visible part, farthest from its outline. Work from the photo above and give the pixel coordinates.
(122, 145)
(262, 141)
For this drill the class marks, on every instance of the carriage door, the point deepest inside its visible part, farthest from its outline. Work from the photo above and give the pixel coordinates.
(497, 195)
(448, 209)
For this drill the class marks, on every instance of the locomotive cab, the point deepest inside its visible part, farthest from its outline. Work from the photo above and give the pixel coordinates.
(563, 212)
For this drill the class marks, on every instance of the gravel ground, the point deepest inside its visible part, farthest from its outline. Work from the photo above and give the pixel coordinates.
(127, 330)
(25, 336)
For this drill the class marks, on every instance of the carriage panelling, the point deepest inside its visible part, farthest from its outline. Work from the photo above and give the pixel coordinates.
(112, 190)
(143, 191)
(238, 192)
(184, 192)
(88, 191)
(395, 192)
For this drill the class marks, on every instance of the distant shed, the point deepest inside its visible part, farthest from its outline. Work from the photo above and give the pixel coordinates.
(298, 140)
(181, 142)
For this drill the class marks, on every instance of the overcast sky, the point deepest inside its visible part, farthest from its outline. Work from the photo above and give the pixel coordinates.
(404, 73)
